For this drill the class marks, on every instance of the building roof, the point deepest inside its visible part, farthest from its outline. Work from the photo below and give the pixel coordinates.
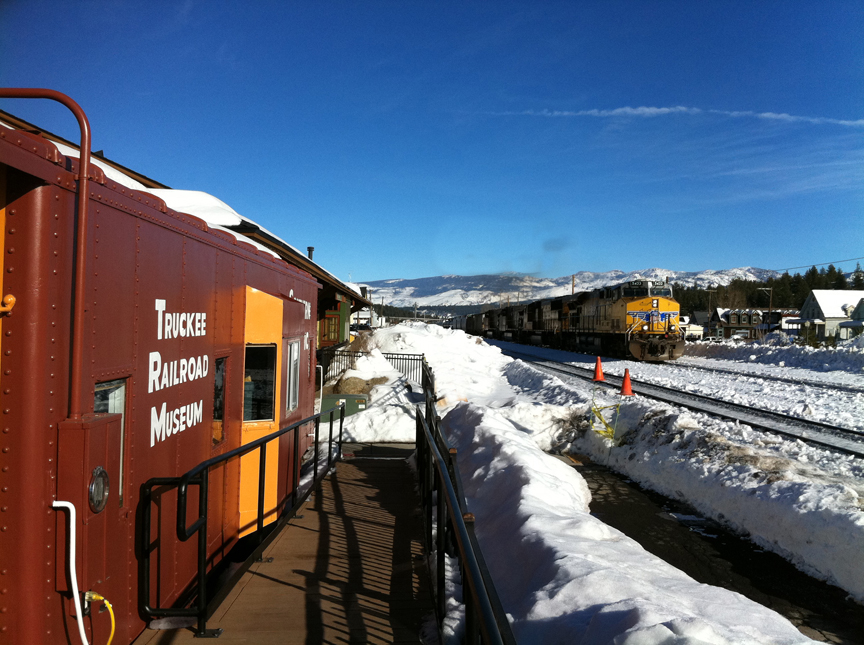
(836, 303)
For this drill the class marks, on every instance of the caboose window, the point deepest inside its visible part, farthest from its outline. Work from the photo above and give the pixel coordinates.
(259, 383)
(292, 385)
(219, 368)
(110, 398)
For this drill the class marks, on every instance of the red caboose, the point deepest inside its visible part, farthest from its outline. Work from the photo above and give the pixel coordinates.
(158, 344)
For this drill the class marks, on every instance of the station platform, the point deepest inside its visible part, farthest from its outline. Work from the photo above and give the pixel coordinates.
(349, 568)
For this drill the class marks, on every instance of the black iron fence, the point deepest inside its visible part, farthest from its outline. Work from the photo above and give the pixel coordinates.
(443, 500)
(199, 476)
(335, 361)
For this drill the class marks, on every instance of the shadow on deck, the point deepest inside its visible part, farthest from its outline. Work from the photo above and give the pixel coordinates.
(348, 569)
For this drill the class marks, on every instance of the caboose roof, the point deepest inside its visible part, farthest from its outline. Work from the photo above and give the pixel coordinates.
(212, 210)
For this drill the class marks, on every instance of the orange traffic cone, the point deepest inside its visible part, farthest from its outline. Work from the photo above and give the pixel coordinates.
(598, 371)
(626, 390)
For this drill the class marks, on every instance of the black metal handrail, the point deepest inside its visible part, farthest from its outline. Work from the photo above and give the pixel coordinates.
(336, 360)
(485, 618)
(199, 476)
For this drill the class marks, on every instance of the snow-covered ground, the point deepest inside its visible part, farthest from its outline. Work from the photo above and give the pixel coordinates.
(579, 580)
(754, 364)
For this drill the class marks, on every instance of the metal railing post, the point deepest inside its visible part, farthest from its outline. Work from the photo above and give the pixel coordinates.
(315, 467)
(296, 472)
(330, 444)
(262, 482)
(439, 547)
(202, 631)
(341, 426)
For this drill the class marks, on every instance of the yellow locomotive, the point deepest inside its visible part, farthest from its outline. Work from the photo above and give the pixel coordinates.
(636, 320)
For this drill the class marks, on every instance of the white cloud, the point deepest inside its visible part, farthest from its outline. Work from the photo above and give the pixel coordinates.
(645, 111)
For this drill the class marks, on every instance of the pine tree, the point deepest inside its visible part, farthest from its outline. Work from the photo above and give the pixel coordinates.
(858, 278)
(840, 282)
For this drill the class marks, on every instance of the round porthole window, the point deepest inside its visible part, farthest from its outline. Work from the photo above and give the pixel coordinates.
(98, 490)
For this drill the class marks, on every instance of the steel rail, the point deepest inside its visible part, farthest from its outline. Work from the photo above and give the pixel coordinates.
(822, 434)
(770, 377)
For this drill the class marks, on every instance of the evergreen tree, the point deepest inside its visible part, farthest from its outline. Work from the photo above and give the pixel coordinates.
(858, 278)
(812, 279)
(840, 282)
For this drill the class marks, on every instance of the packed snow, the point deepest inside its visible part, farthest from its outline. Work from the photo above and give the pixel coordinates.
(580, 580)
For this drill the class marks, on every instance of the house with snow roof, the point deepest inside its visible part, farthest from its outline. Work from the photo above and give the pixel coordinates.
(856, 325)
(825, 310)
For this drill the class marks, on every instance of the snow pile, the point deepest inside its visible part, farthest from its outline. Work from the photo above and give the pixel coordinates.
(389, 417)
(579, 580)
(465, 367)
(848, 356)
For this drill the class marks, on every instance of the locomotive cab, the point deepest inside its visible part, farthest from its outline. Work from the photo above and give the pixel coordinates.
(651, 319)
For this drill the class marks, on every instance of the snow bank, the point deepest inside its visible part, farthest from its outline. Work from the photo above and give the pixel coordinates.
(796, 500)
(389, 417)
(847, 356)
(579, 580)
(754, 483)
(465, 367)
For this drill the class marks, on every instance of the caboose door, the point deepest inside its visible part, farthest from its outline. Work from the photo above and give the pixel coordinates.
(262, 386)
(90, 457)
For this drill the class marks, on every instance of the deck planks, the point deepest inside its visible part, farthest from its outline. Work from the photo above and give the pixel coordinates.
(350, 570)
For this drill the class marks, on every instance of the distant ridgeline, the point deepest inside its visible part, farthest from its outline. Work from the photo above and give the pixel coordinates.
(732, 288)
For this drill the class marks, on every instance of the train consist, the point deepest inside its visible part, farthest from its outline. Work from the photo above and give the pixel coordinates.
(136, 342)
(636, 320)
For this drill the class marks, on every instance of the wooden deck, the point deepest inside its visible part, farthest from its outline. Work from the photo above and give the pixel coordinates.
(348, 569)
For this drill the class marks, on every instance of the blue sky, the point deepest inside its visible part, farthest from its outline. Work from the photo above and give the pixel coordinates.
(411, 139)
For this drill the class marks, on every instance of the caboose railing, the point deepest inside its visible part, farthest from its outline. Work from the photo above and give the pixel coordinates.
(199, 476)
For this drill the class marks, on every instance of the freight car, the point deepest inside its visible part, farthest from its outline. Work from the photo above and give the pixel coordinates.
(636, 320)
(137, 342)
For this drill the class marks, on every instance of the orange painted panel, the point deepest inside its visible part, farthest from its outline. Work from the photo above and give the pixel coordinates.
(263, 328)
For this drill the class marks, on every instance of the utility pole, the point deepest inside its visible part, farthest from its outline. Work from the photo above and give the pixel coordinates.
(573, 284)
(770, 291)
(710, 291)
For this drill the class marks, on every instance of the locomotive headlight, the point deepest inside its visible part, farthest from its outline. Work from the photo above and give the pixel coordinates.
(671, 327)
(644, 327)
(98, 490)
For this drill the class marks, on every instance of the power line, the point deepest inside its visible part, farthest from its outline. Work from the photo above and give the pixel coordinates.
(807, 266)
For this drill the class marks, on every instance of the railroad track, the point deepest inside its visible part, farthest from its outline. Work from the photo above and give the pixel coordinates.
(812, 432)
(769, 377)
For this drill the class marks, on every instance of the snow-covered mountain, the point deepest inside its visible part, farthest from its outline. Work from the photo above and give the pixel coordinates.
(477, 290)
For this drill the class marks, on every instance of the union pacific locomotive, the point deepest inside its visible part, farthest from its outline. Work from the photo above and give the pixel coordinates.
(136, 342)
(636, 320)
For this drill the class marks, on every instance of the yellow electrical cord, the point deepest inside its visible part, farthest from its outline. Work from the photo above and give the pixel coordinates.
(91, 596)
